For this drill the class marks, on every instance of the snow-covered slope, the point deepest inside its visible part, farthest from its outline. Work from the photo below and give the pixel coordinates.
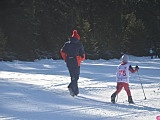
(38, 91)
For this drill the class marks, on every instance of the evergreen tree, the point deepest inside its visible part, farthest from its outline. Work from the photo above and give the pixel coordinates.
(37, 29)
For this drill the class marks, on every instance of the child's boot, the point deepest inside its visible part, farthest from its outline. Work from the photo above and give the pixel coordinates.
(130, 100)
(113, 96)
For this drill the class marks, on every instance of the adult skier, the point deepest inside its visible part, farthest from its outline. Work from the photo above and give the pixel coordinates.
(122, 78)
(73, 53)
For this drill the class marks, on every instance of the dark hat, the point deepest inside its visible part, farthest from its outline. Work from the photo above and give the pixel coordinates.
(75, 34)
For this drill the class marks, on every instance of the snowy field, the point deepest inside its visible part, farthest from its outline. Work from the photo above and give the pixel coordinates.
(38, 91)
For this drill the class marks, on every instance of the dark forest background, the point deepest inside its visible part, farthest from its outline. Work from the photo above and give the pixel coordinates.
(37, 29)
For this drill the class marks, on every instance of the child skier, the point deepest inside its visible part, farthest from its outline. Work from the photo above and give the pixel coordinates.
(122, 77)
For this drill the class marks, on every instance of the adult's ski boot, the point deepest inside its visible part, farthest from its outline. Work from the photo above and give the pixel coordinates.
(71, 92)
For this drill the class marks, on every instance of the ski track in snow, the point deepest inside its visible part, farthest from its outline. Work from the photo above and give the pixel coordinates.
(38, 91)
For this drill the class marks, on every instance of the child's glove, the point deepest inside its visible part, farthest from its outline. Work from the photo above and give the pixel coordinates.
(136, 67)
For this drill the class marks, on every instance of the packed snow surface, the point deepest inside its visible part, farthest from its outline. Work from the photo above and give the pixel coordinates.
(38, 91)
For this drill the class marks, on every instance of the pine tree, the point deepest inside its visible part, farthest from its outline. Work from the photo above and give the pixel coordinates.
(3, 40)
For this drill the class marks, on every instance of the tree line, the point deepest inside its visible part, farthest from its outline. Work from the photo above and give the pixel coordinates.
(36, 29)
